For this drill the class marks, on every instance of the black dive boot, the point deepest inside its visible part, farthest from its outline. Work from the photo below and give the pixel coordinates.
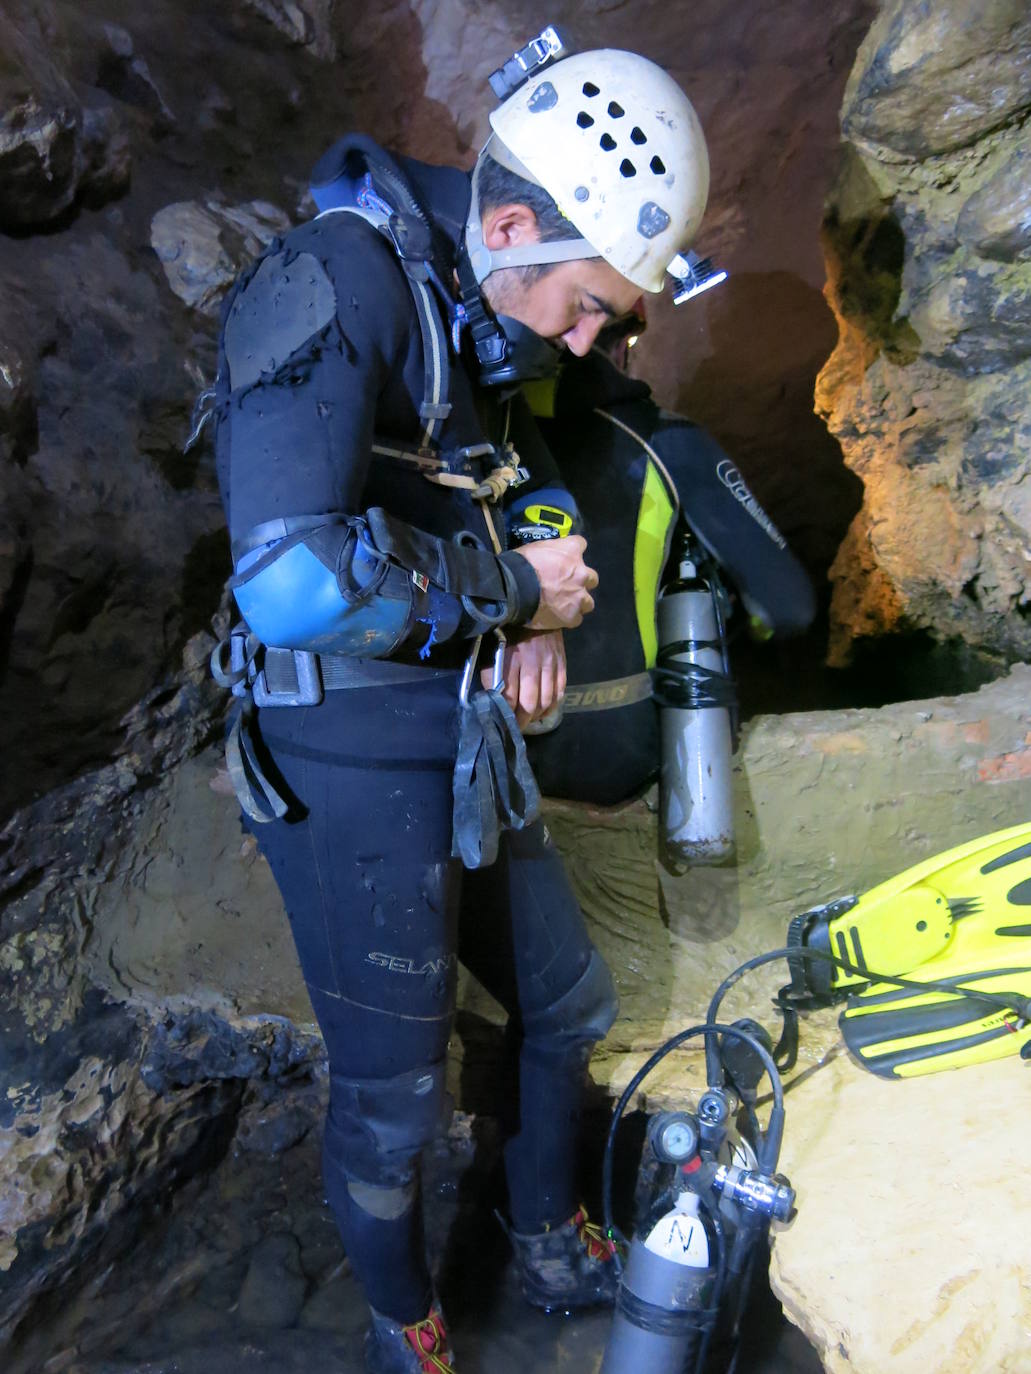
(421, 1348)
(568, 1267)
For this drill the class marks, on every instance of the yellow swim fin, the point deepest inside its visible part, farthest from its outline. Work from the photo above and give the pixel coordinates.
(959, 920)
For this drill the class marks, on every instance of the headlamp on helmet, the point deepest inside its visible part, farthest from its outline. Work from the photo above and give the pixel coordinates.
(693, 275)
(549, 45)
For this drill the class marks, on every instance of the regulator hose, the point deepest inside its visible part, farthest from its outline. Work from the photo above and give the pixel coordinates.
(767, 1152)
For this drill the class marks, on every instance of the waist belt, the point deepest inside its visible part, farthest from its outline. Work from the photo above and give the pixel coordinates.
(493, 787)
(606, 696)
(288, 675)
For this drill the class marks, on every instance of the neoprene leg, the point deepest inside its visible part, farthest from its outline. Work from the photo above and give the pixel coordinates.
(541, 1156)
(372, 893)
(524, 938)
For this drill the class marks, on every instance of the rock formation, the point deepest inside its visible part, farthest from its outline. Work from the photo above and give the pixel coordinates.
(928, 240)
(161, 148)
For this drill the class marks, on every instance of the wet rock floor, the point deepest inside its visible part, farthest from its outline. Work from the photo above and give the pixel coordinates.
(242, 1272)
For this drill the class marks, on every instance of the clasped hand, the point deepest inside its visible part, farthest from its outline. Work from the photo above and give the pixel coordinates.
(565, 579)
(535, 675)
(535, 665)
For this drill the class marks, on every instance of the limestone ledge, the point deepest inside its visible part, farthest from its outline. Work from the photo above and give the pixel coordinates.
(909, 1250)
(826, 803)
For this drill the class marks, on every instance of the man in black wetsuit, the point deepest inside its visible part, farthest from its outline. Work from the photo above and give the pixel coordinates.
(368, 431)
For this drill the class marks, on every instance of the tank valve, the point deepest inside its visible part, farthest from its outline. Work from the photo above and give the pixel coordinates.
(756, 1192)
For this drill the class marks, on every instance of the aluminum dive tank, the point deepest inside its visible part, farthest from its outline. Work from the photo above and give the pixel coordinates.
(663, 1296)
(696, 795)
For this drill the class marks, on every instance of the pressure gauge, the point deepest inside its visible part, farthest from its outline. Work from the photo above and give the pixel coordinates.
(673, 1137)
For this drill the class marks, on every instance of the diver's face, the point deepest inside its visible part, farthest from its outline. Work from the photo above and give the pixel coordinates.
(570, 303)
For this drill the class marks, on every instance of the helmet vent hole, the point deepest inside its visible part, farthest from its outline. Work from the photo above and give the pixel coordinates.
(616, 111)
(627, 168)
(590, 89)
(584, 120)
(657, 165)
(607, 142)
(638, 136)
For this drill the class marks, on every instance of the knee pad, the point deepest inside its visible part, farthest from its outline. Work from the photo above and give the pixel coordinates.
(385, 1204)
(377, 1127)
(584, 1013)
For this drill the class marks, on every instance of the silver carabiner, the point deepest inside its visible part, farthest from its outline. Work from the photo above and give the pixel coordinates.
(498, 679)
(499, 662)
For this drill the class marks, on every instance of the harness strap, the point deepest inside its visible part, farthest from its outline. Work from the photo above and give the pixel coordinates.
(340, 673)
(435, 407)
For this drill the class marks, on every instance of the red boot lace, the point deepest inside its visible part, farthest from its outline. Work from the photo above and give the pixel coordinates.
(592, 1237)
(429, 1341)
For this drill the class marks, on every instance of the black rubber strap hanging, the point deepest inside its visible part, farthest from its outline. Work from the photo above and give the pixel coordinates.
(233, 666)
(256, 795)
(493, 786)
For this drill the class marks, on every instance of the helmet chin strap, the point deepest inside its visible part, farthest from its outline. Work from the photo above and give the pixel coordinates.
(507, 351)
(485, 261)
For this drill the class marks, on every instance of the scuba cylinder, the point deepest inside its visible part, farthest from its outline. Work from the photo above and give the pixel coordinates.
(666, 1283)
(688, 1273)
(696, 695)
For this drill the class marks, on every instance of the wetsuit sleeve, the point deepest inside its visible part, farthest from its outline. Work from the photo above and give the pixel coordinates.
(729, 522)
(542, 507)
(315, 340)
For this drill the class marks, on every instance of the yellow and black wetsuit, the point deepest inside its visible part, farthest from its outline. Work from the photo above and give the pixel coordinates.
(634, 471)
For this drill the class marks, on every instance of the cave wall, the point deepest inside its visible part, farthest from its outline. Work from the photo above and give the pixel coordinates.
(111, 545)
(105, 1107)
(928, 238)
(146, 152)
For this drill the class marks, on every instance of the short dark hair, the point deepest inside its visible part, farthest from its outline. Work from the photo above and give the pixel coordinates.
(496, 186)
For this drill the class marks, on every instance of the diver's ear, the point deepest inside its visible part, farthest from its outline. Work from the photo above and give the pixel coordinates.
(509, 226)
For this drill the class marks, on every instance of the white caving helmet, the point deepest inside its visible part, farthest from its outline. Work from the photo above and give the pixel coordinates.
(617, 145)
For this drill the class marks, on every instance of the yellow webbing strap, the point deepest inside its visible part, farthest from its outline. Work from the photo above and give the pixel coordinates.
(655, 520)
